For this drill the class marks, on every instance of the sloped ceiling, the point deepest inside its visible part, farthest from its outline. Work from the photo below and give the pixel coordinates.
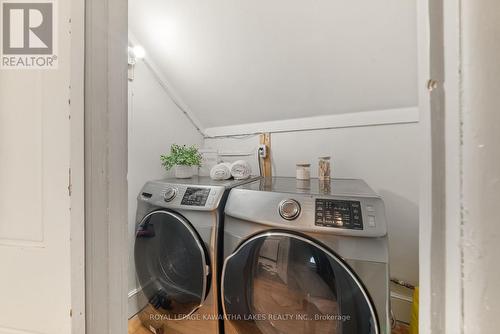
(242, 61)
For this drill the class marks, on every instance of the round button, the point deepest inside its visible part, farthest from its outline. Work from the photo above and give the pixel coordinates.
(289, 209)
(169, 194)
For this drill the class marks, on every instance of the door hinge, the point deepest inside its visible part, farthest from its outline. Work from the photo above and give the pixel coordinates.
(432, 84)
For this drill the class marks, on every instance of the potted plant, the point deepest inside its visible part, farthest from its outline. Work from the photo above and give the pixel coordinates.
(182, 158)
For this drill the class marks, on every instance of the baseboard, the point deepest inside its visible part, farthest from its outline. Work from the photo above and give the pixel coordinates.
(136, 302)
(401, 303)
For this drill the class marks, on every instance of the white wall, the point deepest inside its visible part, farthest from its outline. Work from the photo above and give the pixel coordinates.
(155, 123)
(240, 61)
(232, 63)
(386, 156)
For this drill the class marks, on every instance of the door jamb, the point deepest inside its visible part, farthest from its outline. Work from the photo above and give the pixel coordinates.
(77, 169)
(440, 245)
(106, 263)
(106, 161)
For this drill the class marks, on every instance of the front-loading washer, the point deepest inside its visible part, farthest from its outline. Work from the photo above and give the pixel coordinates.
(305, 257)
(177, 255)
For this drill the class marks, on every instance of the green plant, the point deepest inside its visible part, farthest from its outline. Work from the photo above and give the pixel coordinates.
(181, 155)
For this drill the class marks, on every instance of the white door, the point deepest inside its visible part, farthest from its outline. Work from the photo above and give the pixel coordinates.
(35, 225)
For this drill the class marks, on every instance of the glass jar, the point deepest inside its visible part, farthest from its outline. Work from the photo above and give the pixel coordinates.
(324, 168)
(325, 187)
(303, 171)
(303, 186)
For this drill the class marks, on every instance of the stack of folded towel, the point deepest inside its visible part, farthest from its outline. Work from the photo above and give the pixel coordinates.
(221, 171)
(240, 170)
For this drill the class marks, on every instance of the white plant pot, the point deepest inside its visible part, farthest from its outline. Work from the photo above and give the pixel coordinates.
(183, 172)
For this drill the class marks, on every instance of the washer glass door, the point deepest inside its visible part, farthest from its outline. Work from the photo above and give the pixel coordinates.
(171, 264)
(279, 282)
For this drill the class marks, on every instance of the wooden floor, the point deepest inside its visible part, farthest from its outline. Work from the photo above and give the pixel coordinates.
(135, 327)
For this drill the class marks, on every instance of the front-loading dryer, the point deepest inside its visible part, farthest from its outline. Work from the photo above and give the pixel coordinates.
(177, 255)
(304, 257)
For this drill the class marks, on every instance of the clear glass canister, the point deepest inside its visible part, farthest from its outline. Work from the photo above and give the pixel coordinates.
(324, 168)
(303, 171)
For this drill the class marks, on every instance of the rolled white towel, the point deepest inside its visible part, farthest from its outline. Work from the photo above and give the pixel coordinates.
(221, 171)
(241, 170)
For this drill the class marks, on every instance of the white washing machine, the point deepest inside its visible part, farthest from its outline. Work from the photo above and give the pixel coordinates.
(305, 257)
(177, 253)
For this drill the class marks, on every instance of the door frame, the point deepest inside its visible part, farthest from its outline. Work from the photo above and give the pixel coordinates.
(440, 207)
(106, 238)
(77, 167)
(106, 30)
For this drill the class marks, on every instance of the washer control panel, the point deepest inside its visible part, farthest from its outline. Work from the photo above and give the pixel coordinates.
(182, 196)
(338, 214)
(349, 212)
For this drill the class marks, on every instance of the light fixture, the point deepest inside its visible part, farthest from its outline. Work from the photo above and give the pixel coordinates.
(138, 52)
(134, 53)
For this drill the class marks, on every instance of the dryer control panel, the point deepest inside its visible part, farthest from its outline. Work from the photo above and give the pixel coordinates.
(338, 214)
(182, 196)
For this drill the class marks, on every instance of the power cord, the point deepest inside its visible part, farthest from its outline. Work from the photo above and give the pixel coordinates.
(262, 153)
(260, 164)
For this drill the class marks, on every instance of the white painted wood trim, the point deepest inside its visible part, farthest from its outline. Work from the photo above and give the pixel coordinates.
(480, 161)
(136, 298)
(364, 118)
(133, 297)
(453, 315)
(106, 166)
(425, 186)
(440, 260)
(77, 165)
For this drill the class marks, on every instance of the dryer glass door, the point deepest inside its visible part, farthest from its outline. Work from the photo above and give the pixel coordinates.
(285, 283)
(172, 265)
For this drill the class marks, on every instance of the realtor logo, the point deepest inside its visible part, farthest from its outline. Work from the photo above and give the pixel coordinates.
(28, 34)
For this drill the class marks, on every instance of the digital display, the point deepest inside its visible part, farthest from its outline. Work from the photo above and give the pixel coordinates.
(339, 214)
(195, 196)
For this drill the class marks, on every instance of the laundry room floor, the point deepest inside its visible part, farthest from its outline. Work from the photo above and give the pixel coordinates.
(135, 327)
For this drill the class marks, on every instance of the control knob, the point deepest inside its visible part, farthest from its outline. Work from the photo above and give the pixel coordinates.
(169, 194)
(289, 209)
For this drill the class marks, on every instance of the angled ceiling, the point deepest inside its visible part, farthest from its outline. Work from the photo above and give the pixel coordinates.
(242, 61)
